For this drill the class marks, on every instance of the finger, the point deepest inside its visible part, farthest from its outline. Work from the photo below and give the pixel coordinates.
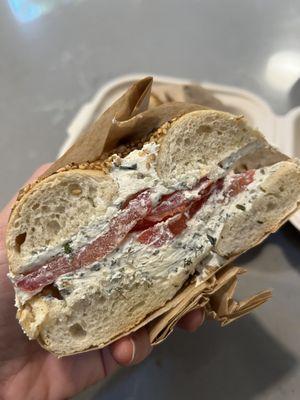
(123, 350)
(4, 215)
(109, 363)
(132, 349)
(192, 321)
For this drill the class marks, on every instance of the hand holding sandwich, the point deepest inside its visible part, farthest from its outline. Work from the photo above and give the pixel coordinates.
(28, 371)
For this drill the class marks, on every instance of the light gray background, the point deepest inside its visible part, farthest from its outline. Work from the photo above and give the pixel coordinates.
(50, 66)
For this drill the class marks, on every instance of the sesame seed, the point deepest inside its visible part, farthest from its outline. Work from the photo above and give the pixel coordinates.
(76, 192)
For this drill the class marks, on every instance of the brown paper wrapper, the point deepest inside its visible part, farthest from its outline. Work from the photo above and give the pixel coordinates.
(215, 295)
(127, 119)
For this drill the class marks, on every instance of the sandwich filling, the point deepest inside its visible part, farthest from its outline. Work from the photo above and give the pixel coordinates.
(148, 217)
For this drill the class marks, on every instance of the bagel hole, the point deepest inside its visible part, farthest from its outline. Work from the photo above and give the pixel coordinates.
(204, 129)
(19, 240)
(35, 206)
(271, 206)
(53, 227)
(77, 331)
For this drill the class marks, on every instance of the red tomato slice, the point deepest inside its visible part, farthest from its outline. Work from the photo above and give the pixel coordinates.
(183, 209)
(156, 236)
(159, 234)
(177, 224)
(136, 214)
(169, 205)
(143, 224)
(173, 204)
(204, 196)
(239, 183)
(120, 226)
(45, 275)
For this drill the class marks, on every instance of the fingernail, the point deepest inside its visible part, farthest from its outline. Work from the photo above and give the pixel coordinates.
(133, 350)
